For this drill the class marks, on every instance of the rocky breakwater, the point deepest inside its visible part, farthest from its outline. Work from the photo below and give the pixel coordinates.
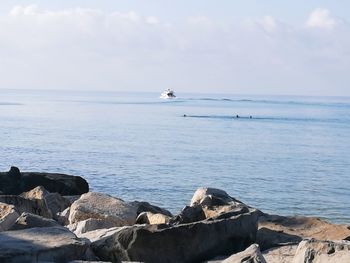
(45, 225)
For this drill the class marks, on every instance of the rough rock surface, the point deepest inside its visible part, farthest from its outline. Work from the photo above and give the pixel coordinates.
(101, 206)
(53, 201)
(315, 251)
(37, 207)
(27, 220)
(284, 254)
(215, 202)
(90, 224)
(277, 230)
(202, 196)
(210, 203)
(63, 217)
(251, 255)
(189, 214)
(15, 182)
(152, 219)
(49, 244)
(8, 216)
(193, 242)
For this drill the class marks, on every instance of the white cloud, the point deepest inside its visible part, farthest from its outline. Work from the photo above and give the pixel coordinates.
(91, 49)
(321, 18)
(269, 23)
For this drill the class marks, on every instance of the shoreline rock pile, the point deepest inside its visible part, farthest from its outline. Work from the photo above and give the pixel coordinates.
(59, 220)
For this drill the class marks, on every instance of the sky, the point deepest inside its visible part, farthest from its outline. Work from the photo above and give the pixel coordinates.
(229, 46)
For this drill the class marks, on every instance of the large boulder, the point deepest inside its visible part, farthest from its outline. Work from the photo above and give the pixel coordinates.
(27, 220)
(211, 197)
(194, 242)
(251, 255)
(210, 203)
(53, 201)
(102, 206)
(22, 204)
(15, 182)
(277, 230)
(315, 251)
(49, 244)
(8, 216)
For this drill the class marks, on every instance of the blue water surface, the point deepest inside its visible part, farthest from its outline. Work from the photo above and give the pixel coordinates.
(291, 157)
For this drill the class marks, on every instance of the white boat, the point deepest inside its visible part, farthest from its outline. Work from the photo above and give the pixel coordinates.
(167, 94)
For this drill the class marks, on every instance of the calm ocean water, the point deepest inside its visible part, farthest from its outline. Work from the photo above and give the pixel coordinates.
(292, 157)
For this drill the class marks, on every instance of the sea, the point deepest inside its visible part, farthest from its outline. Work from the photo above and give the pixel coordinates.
(285, 155)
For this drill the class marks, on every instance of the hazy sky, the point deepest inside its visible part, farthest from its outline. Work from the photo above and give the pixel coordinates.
(226, 46)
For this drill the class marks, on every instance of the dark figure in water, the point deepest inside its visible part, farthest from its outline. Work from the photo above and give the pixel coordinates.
(185, 115)
(250, 117)
(237, 116)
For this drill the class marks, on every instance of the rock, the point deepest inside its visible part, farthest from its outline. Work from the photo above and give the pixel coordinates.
(15, 182)
(53, 201)
(72, 198)
(277, 230)
(201, 196)
(251, 255)
(8, 216)
(283, 254)
(189, 214)
(62, 217)
(10, 181)
(267, 238)
(216, 202)
(27, 220)
(312, 250)
(101, 206)
(193, 242)
(147, 207)
(99, 234)
(37, 207)
(210, 203)
(150, 218)
(51, 244)
(90, 224)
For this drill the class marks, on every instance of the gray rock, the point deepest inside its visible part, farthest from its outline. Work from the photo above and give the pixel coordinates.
(50, 244)
(251, 255)
(210, 197)
(189, 214)
(15, 182)
(63, 217)
(37, 207)
(210, 203)
(101, 206)
(312, 251)
(8, 216)
(152, 219)
(27, 220)
(193, 242)
(283, 254)
(53, 201)
(90, 224)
